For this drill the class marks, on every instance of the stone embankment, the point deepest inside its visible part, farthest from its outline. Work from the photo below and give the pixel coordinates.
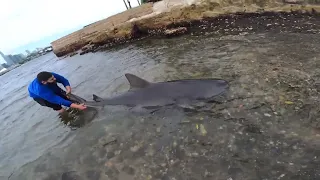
(170, 18)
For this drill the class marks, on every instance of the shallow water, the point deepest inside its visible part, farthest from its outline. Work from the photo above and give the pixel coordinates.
(265, 127)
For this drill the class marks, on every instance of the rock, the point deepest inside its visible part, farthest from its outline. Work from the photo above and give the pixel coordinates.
(109, 164)
(102, 152)
(150, 152)
(110, 155)
(203, 130)
(135, 148)
(117, 152)
(175, 31)
(208, 14)
(72, 54)
(174, 143)
(98, 48)
(72, 175)
(87, 48)
(94, 175)
(136, 32)
(147, 1)
(83, 52)
(267, 114)
(54, 176)
(294, 1)
(207, 174)
(195, 154)
(129, 170)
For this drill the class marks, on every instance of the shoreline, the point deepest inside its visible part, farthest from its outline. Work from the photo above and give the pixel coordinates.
(178, 18)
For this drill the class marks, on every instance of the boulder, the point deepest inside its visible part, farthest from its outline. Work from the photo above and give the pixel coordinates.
(294, 1)
(72, 54)
(86, 49)
(175, 31)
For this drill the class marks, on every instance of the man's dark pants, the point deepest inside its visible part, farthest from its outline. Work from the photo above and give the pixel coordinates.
(46, 103)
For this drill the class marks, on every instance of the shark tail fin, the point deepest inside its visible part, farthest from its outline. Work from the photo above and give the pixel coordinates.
(136, 82)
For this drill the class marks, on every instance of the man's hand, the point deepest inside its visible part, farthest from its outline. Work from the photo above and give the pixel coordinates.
(78, 106)
(68, 90)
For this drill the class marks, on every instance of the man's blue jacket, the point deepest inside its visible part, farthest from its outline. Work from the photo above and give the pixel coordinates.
(49, 92)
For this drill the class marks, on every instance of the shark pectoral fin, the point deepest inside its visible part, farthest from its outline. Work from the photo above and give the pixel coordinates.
(136, 82)
(97, 98)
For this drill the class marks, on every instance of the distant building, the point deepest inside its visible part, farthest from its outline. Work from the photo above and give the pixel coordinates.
(4, 65)
(10, 57)
(38, 49)
(18, 57)
(2, 58)
(6, 59)
(22, 55)
(15, 58)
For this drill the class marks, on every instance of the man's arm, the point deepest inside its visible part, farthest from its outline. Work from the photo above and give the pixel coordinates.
(63, 81)
(58, 100)
(51, 97)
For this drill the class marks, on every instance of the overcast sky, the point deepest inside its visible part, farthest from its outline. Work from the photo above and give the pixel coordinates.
(26, 22)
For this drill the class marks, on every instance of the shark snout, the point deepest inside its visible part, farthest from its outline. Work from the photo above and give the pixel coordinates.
(222, 83)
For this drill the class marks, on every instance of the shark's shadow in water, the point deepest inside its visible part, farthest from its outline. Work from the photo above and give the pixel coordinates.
(153, 95)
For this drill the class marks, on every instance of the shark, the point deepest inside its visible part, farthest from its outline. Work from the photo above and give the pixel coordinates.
(143, 93)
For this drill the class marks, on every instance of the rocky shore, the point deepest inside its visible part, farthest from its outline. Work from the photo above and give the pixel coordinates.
(170, 18)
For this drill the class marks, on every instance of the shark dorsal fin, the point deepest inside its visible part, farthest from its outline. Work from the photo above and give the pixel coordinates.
(136, 82)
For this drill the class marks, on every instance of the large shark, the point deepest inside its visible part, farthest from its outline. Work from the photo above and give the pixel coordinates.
(143, 93)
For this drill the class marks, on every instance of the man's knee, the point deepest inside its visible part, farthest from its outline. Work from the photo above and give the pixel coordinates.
(55, 107)
(40, 101)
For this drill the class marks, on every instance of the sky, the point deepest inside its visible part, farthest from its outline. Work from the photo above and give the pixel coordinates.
(27, 24)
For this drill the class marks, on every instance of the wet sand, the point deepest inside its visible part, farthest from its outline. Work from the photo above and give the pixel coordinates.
(265, 127)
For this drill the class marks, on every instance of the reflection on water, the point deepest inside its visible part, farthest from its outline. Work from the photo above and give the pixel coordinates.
(266, 127)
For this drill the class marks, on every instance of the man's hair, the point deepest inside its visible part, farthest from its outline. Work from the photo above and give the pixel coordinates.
(44, 76)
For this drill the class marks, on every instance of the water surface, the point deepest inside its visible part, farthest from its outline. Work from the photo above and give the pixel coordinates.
(266, 126)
